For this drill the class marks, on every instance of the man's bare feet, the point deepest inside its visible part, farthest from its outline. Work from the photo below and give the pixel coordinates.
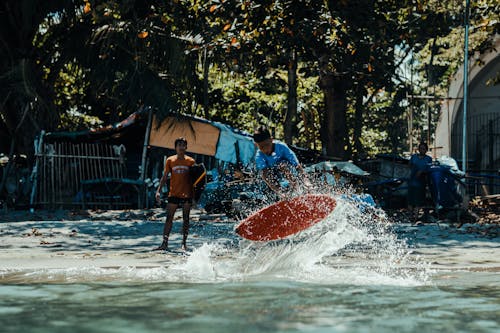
(162, 247)
(184, 248)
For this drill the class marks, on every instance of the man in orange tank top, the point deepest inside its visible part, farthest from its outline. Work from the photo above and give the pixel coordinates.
(180, 192)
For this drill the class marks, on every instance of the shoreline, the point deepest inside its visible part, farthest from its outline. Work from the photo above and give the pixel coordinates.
(114, 240)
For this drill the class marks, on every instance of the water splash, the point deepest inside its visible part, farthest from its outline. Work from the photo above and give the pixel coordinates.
(353, 245)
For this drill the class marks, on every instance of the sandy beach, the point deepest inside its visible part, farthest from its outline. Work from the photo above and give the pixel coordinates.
(63, 239)
(114, 239)
(95, 271)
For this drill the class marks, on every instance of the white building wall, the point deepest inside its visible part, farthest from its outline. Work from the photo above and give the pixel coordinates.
(482, 98)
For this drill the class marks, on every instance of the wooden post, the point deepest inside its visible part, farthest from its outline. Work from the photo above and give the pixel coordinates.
(142, 193)
(34, 174)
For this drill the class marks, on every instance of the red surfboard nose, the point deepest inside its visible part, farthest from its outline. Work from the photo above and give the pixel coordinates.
(286, 217)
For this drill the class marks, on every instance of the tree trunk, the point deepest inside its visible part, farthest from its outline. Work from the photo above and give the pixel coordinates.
(334, 122)
(358, 123)
(206, 66)
(22, 127)
(291, 114)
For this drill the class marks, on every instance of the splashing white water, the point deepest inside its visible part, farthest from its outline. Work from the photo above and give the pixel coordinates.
(351, 246)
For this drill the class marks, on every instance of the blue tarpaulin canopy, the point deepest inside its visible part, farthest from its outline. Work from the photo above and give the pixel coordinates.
(204, 137)
(234, 146)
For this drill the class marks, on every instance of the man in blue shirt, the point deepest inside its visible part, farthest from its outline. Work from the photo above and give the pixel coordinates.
(419, 164)
(277, 162)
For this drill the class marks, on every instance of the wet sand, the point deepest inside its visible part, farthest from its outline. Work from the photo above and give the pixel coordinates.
(63, 239)
(114, 239)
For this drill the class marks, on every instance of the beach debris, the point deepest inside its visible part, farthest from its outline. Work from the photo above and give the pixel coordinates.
(34, 232)
(43, 242)
(486, 208)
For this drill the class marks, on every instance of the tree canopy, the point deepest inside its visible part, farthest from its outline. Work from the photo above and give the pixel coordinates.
(328, 75)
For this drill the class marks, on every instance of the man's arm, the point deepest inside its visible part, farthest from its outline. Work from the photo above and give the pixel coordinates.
(300, 177)
(292, 158)
(163, 181)
(268, 179)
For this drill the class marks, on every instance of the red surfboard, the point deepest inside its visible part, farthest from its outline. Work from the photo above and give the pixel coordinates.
(286, 217)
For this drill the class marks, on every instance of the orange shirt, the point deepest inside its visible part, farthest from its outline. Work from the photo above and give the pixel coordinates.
(180, 179)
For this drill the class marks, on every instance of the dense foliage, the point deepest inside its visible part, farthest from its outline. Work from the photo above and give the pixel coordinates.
(329, 75)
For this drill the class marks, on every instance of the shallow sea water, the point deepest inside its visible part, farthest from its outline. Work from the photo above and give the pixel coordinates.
(345, 274)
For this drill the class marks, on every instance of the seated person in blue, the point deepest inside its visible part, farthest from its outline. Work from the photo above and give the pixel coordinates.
(419, 164)
(277, 162)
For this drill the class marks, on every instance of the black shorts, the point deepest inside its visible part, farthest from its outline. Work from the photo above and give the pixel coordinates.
(179, 201)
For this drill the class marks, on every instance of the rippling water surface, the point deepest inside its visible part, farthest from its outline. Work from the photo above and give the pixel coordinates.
(349, 273)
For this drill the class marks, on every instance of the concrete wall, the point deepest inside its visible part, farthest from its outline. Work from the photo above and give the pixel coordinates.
(483, 112)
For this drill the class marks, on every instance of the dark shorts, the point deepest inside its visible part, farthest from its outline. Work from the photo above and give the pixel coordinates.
(179, 201)
(416, 196)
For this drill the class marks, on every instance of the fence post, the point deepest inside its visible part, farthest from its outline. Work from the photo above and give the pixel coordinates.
(143, 191)
(34, 174)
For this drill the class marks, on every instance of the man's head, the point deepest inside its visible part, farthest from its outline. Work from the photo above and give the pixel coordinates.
(423, 148)
(180, 145)
(263, 140)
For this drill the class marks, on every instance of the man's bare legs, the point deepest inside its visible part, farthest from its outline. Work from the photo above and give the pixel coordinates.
(167, 228)
(186, 209)
(171, 208)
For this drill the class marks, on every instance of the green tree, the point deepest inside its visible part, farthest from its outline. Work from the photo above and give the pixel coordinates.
(133, 54)
(26, 100)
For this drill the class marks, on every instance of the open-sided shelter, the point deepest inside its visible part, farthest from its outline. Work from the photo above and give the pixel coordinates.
(110, 167)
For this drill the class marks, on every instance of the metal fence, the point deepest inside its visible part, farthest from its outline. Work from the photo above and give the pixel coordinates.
(483, 148)
(86, 175)
(483, 141)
